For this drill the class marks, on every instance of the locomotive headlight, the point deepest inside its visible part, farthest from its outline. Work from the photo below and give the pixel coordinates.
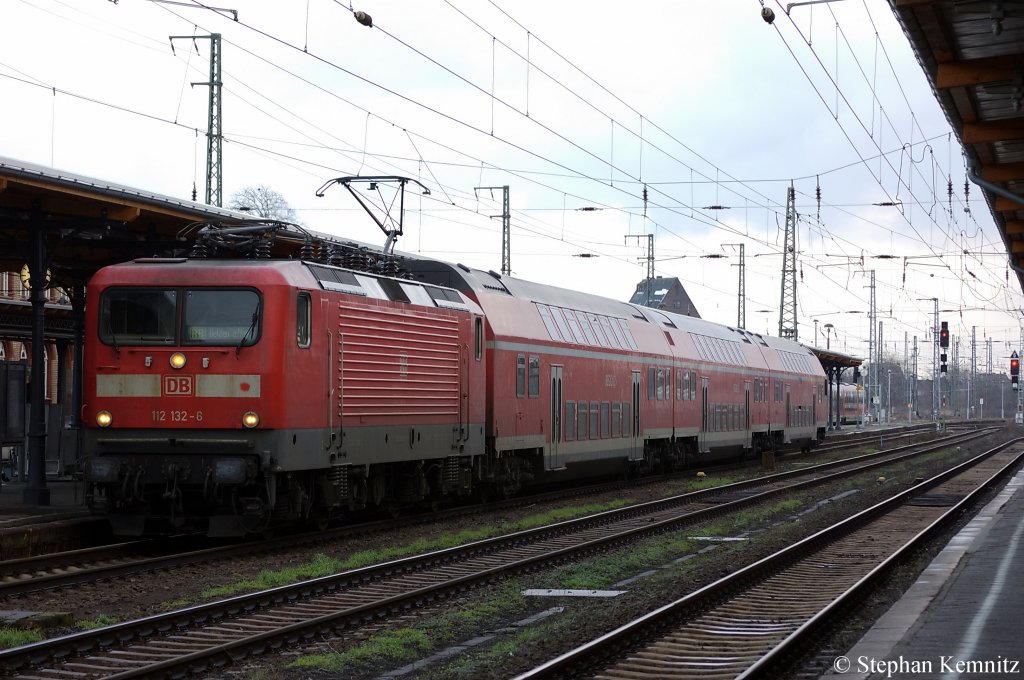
(103, 418)
(250, 419)
(177, 360)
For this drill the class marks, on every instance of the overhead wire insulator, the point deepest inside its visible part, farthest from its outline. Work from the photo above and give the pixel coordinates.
(817, 193)
(645, 200)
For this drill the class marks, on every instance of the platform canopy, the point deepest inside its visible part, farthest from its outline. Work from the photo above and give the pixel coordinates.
(829, 357)
(87, 223)
(973, 55)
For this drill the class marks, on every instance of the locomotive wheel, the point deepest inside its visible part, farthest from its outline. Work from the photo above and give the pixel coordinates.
(376, 487)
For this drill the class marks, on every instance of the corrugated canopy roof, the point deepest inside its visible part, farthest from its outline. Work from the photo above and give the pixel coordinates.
(89, 223)
(973, 55)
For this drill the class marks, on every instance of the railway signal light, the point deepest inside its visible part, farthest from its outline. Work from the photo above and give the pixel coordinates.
(944, 335)
(1014, 369)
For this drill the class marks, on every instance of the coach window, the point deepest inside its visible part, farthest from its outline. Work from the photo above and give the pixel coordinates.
(616, 418)
(661, 384)
(605, 415)
(521, 376)
(303, 320)
(534, 376)
(581, 425)
(595, 423)
(478, 338)
(693, 385)
(651, 382)
(679, 384)
(570, 420)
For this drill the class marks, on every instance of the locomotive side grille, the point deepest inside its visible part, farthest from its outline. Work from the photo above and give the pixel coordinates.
(398, 361)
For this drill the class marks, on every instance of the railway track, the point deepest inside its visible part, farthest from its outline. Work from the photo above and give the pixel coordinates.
(210, 635)
(88, 565)
(838, 442)
(755, 621)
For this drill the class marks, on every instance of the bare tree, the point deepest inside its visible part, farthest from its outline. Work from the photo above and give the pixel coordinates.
(262, 201)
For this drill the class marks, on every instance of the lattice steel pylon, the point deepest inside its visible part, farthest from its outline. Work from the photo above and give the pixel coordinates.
(741, 310)
(214, 122)
(787, 308)
(506, 229)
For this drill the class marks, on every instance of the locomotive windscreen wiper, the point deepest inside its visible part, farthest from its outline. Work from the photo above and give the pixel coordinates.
(252, 327)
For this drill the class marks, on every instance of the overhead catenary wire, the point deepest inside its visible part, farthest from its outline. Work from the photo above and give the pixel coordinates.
(586, 194)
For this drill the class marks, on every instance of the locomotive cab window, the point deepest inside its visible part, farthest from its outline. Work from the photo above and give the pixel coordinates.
(478, 338)
(303, 320)
(209, 316)
(138, 316)
(218, 316)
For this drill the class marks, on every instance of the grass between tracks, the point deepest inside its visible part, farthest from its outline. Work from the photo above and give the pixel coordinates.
(465, 618)
(15, 637)
(323, 565)
(98, 622)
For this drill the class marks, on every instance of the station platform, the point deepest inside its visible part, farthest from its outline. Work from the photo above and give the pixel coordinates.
(959, 619)
(64, 524)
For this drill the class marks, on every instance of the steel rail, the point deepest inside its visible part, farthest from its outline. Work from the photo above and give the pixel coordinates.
(592, 655)
(37, 653)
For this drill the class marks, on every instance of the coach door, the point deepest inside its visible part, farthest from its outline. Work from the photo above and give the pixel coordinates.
(554, 459)
(789, 418)
(703, 415)
(814, 406)
(746, 415)
(631, 420)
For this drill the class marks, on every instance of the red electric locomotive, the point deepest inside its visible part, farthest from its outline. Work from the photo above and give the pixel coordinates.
(228, 394)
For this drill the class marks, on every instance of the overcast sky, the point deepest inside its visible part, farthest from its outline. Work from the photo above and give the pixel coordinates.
(573, 105)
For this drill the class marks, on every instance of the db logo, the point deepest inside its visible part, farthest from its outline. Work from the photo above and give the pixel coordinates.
(178, 385)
